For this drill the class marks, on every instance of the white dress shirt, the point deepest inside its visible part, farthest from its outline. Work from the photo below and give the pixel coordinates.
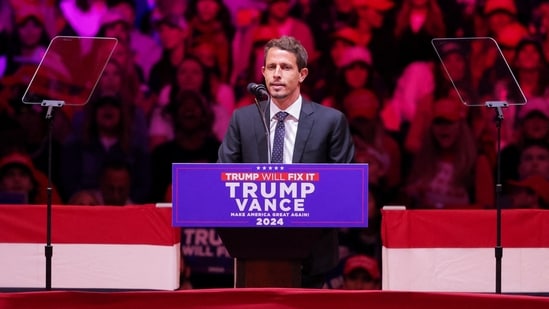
(290, 128)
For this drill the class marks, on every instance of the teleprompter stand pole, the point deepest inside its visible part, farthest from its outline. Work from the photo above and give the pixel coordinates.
(50, 104)
(498, 106)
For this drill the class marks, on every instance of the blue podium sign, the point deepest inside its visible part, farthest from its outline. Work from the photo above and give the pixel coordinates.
(270, 195)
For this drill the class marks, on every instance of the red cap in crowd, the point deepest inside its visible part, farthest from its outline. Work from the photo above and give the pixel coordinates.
(363, 262)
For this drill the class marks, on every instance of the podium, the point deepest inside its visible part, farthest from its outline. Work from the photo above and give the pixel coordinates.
(268, 257)
(270, 217)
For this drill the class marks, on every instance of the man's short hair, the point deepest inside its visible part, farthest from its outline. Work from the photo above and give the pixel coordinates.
(292, 45)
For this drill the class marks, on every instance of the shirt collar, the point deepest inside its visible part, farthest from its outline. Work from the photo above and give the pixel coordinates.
(294, 109)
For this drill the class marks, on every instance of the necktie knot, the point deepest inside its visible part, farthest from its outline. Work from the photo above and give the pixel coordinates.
(280, 116)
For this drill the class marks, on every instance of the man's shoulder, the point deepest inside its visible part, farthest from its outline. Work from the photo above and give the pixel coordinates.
(248, 109)
(317, 107)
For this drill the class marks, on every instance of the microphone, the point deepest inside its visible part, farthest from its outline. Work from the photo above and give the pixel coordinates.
(258, 90)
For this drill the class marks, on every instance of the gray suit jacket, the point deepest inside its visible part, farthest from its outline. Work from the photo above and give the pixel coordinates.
(323, 136)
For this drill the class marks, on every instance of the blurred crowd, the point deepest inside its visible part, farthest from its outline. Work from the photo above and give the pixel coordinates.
(181, 67)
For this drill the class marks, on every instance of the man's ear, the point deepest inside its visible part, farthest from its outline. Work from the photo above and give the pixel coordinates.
(303, 74)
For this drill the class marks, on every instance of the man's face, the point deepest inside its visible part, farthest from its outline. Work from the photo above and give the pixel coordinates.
(358, 281)
(190, 75)
(110, 82)
(282, 76)
(337, 50)
(456, 66)
(170, 37)
(207, 9)
(535, 126)
(30, 33)
(497, 21)
(16, 180)
(356, 75)
(279, 10)
(190, 114)
(126, 11)
(524, 198)
(115, 187)
(534, 160)
(108, 118)
(120, 31)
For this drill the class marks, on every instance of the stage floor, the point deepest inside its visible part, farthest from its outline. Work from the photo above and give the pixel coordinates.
(266, 299)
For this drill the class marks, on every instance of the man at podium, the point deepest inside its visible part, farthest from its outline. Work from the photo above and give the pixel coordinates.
(297, 131)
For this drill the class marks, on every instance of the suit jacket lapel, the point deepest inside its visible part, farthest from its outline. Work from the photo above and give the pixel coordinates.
(305, 124)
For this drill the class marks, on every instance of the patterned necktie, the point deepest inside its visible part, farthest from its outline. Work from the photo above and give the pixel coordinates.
(278, 142)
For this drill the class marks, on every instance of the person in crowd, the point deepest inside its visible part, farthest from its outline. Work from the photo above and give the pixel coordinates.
(106, 136)
(534, 160)
(115, 25)
(324, 16)
(210, 21)
(114, 184)
(325, 130)
(361, 272)
(277, 16)
(530, 68)
(321, 83)
(355, 72)
(532, 127)
(490, 20)
(452, 78)
(508, 39)
(191, 75)
(25, 126)
(497, 80)
(30, 39)
(497, 14)
(356, 272)
(119, 80)
(223, 92)
(167, 7)
(417, 22)
(172, 32)
(262, 34)
(362, 107)
(194, 140)
(144, 49)
(85, 197)
(7, 26)
(11, 130)
(447, 171)
(530, 193)
(540, 25)
(18, 176)
(376, 36)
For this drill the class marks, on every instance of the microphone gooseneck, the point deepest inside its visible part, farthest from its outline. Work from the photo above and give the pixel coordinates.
(260, 92)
